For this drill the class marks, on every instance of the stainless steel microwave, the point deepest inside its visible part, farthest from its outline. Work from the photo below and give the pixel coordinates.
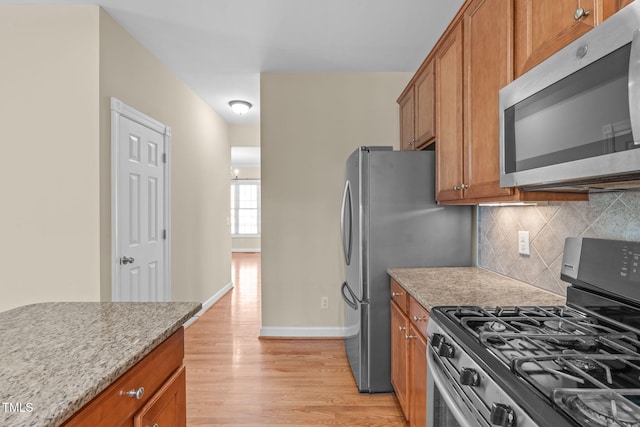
(573, 121)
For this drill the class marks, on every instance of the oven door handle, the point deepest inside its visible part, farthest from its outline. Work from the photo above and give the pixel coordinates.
(445, 392)
(634, 86)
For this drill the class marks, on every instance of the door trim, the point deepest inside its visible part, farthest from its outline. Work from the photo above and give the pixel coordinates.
(120, 109)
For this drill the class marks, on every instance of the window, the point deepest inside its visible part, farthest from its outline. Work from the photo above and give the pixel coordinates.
(245, 208)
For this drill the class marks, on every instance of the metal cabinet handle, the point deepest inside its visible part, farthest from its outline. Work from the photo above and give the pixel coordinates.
(401, 328)
(409, 337)
(419, 319)
(133, 393)
(463, 186)
(396, 294)
(127, 260)
(456, 188)
(581, 13)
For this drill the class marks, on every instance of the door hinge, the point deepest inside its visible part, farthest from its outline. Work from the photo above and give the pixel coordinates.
(164, 157)
(164, 234)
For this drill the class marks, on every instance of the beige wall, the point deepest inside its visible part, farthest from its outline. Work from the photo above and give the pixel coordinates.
(303, 159)
(244, 135)
(60, 65)
(200, 153)
(49, 180)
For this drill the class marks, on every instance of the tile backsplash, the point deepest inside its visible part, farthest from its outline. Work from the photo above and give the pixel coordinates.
(605, 215)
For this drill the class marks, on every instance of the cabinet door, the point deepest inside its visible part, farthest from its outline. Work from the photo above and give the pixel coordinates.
(167, 407)
(399, 355)
(407, 113)
(545, 26)
(449, 125)
(487, 53)
(425, 99)
(418, 381)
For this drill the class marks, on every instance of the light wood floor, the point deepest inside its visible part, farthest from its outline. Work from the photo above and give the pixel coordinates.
(234, 378)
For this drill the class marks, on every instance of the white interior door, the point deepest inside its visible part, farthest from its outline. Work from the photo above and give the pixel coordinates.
(141, 256)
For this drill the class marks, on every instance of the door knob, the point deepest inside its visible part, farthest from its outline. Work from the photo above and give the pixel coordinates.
(127, 260)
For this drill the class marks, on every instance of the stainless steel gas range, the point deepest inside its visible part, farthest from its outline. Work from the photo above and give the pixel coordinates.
(560, 366)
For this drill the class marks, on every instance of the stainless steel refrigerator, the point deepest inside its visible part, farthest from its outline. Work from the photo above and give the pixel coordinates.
(390, 219)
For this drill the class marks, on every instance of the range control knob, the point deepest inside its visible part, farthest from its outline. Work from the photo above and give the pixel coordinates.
(469, 377)
(447, 350)
(502, 415)
(436, 339)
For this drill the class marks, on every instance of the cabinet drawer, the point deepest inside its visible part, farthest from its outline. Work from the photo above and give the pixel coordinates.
(168, 406)
(399, 295)
(418, 315)
(110, 408)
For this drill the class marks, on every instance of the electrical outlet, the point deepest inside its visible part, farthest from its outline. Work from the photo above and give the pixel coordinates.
(324, 303)
(523, 243)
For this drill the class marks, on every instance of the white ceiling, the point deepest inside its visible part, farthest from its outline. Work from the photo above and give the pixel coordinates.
(220, 47)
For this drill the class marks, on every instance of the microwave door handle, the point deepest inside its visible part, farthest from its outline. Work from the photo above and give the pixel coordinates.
(634, 86)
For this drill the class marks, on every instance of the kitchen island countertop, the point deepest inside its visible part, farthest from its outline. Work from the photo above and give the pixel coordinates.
(56, 357)
(469, 286)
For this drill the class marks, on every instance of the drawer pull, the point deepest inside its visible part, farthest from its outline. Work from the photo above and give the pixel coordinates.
(419, 319)
(410, 337)
(401, 328)
(133, 393)
(396, 294)
(581, 13)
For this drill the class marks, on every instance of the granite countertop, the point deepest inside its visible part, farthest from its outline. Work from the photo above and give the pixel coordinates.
(448, 286)
(56, 357)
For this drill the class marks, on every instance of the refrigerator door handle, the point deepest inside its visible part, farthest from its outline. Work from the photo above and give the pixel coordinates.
(346, 198)
(351, 299)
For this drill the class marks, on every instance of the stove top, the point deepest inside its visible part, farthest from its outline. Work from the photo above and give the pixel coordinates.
(581, 360)
(586, 365)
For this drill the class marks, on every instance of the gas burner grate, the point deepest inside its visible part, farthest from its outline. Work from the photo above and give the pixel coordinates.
(607, 408)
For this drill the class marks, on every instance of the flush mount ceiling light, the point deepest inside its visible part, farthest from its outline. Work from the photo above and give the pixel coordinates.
(240, 107)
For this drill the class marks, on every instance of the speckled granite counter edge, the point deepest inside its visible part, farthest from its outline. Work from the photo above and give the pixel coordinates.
(121, 369)
(59, 356)
(549, 297)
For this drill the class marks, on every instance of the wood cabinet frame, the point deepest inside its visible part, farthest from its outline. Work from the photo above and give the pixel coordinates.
(417, 110)
(409, 356)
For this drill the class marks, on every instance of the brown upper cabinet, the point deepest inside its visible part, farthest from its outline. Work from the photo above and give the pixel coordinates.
(487, 46)
(542, 27)
(473, 61)
(449, 117)
(452, 100)
(417, 110)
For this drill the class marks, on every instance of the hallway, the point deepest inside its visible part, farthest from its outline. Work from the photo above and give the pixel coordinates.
(234, 378)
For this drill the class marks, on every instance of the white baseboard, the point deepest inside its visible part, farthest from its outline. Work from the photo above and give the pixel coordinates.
(246, 250)
(208, 303)
(303, 332)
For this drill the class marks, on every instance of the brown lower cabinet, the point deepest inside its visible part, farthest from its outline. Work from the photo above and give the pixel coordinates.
(409, 356)
(150, 394)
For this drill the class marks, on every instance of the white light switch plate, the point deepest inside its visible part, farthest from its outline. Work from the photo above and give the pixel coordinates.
(523, 242)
